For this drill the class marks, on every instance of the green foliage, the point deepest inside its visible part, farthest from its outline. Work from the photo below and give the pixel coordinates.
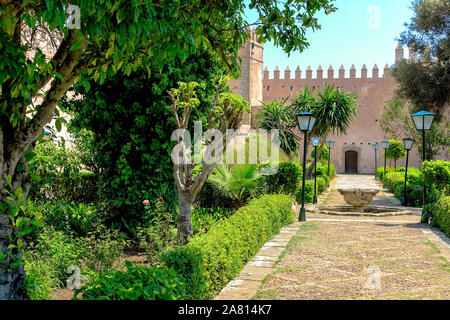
(204, 219)
(427, 82)
(395, 151)
(437, 173)
(396, 123)
(133, 139)
(238, 182)
(277, 115)
(439, 213)
(286, 180)
(332, 108)
(137, 283)
(210, 260)
(78, 219)
(54, 251)
(58, 175)
(309, 192)
(324, 155)
(321, 185)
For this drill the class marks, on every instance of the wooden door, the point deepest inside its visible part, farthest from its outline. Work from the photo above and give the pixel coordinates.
(351, 162)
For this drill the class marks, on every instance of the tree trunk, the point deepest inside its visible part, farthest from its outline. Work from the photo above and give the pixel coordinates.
(12, 286)
(12, 278)
(185, 201)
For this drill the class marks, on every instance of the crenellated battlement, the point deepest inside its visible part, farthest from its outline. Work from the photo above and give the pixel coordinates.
(319, 74)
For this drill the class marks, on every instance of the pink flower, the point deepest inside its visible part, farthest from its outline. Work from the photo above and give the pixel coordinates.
(145, 202)
(90, 247)
(88, 239)
(71, 232)
(82, 262)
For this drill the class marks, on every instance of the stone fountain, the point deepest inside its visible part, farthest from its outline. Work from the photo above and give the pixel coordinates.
(357, 197)
(359, 200)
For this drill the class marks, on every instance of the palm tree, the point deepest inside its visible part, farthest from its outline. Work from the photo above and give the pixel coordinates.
(237, 182)
(278, 115)
(332, 108)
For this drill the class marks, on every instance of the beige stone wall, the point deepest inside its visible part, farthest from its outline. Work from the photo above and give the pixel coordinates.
(372, 94)
(249, 85)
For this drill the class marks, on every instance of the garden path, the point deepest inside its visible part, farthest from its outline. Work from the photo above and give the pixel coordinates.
(335, 257)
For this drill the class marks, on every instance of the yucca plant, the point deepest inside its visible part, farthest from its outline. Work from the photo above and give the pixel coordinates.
(237, 182)
(332, 108)
(278, 115)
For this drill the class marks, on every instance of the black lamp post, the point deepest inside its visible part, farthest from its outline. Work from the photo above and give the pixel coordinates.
(315, 142)
(375, 146)
(305, 123)
(385, 145)
(422, 121)
(408, 144)
(330, 145)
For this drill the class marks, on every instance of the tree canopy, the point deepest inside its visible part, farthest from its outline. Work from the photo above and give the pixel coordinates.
(426, 82)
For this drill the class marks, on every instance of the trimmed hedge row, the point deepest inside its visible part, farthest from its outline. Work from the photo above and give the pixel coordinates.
(210, 261)
(439, 214)
(137, 283)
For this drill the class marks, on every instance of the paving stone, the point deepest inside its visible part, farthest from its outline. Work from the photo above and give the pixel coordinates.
(333, 259)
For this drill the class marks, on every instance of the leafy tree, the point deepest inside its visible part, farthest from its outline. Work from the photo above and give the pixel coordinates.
(113, 35)
(238, 182)
(278, 115)
(395, 151)
(426, 82)
(225, 113)
(396, 123)
(132, 134)
(332, 108)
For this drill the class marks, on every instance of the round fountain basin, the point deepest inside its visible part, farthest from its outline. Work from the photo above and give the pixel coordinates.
(372, 211)
(358, 197)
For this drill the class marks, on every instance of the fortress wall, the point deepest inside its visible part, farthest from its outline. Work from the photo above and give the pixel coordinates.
(372, 94)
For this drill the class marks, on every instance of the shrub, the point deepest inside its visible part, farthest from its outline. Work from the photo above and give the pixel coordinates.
(204, 218)
(437, 173)
(55, 251)
(210, 260)
(309, 192)
(137, 283)
(57, 176)
(80, 219)
(237, 183)
(439, 213)
(286, 180)
(321, 185)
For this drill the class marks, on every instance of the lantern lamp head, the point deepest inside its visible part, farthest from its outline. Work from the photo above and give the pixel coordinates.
(305, 121)
(408, 143)
(330, 144)
(375, 145)
(385, 144)
(422, 120)
(315, 141)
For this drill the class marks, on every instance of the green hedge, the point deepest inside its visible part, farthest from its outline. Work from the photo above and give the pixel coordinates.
(439, 213)
(438, 173)
(210, 261)
(286, 180)
(137, 283)
(309, 192)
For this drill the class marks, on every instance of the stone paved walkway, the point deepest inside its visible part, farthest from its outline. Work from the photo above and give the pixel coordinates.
(333, 257)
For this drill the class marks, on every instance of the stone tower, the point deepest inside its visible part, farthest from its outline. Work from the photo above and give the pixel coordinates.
(249, 85)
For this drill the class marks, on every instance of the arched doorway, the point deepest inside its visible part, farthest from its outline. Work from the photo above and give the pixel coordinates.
(351, 161)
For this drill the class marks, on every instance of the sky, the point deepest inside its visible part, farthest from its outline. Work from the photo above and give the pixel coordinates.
(359, 32)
